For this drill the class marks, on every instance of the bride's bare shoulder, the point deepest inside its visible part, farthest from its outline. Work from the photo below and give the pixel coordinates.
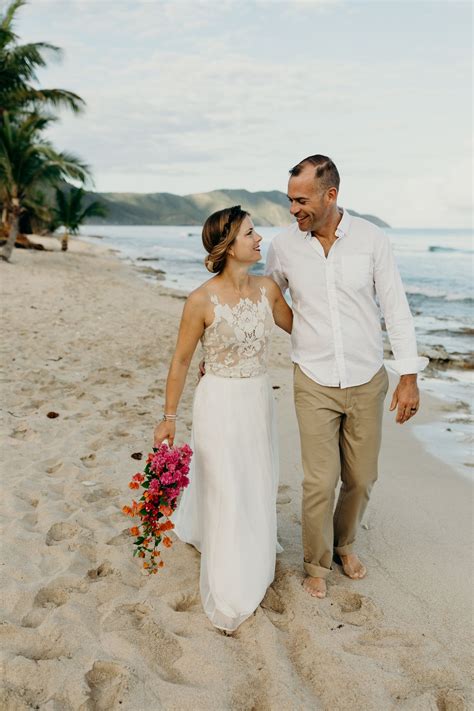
(201, 295)
(270, 285)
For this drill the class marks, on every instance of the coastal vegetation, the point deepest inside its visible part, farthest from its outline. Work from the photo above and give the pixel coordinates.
(70, 212)
(31, 169)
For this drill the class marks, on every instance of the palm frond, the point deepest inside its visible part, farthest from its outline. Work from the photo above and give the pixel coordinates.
(9, 16)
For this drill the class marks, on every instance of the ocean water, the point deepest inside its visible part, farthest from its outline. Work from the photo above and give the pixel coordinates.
(436, 268)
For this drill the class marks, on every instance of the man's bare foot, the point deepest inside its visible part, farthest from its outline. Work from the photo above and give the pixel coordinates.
(316, 587)
(353, 566)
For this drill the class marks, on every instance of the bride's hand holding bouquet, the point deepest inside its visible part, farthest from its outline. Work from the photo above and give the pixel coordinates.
(165, 430)
(164, 477)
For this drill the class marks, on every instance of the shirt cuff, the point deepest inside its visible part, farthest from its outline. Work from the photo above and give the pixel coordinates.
(407, 366)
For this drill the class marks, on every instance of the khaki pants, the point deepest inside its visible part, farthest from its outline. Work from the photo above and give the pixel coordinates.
(340, 432)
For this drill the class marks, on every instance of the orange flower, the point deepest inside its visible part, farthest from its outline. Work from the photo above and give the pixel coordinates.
(134, 485)
(138, 477)
(154, 571)
(165, 510)
(126, 510)
(160, 564)
(155, 552)
(146, 565)
(167, 542)
(134, 531)
(141, 554)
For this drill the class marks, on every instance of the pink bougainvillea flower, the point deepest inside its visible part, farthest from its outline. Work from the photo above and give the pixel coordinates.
(164, 478)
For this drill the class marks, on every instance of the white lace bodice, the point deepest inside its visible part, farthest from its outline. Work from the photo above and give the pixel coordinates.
(235, 345)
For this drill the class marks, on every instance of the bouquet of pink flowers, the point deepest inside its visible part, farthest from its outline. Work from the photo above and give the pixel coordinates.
(165, 476)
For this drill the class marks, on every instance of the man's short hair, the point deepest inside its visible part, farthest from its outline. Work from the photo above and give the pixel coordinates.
(326, 172)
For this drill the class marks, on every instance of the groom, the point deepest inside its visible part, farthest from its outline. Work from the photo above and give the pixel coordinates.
(335, 265)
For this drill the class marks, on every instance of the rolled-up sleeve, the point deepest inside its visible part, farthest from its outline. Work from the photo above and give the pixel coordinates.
(396, 311)
(274, 270)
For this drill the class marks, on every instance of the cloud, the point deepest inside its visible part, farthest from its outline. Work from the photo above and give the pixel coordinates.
(188, 96)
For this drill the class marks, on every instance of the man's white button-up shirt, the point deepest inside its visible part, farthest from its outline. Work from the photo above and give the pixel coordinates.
(337, 334)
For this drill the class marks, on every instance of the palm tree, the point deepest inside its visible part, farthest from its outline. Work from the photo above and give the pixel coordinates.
(27, 164)
(18, 65)
(71, 213)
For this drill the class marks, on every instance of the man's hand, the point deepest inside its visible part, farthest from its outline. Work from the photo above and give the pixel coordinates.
(407, 397)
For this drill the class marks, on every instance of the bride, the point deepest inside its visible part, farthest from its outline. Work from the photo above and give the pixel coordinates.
(228, 511)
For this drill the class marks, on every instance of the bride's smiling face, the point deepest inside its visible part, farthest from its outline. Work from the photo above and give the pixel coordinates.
(246, 246)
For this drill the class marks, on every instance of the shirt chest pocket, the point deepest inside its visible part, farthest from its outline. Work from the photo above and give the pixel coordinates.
(356, 272)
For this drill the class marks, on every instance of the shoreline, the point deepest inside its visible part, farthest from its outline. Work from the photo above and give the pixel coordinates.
(85, 628)
(449, 437)
(441, 360)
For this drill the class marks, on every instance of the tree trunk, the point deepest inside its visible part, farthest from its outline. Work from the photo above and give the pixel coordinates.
(64, 242)
(10, 243)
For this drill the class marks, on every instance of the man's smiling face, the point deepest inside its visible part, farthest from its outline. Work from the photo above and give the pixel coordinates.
(309, 202)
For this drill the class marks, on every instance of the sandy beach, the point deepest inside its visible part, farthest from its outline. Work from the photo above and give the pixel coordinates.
(84, 628)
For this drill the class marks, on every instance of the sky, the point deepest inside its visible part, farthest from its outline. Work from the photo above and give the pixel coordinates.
(190, 96)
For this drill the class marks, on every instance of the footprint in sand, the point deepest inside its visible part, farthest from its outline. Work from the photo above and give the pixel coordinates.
(98, 443)
(272, 602)
(444, 700)
(389, 638)
(58, 592)
(450, 700)
(34, 618)
(102, 571)
(352, 608)
(120, 539)
(26, 642)
(52, 466)
(23, 432)
(282, 496)
(136, 625)
(30, 521)
(274, 607)
(89, 460)
(118, 405)
(186, 602)
(108, 683)
(99, 493)
(61, 531)
(121, 432)
(385, 646)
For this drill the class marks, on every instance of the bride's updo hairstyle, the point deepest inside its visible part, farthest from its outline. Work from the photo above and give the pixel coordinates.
(219, 233)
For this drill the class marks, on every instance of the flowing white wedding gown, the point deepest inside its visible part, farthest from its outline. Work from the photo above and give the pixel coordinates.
(228, 511)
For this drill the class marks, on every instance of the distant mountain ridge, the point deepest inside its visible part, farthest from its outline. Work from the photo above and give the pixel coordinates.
(266, 207)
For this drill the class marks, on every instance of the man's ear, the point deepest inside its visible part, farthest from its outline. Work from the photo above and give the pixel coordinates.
(332, 194)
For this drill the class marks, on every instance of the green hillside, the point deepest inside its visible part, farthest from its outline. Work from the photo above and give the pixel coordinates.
(266, 208)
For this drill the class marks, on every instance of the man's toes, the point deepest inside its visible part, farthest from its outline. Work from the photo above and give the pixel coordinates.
(316, 588)
(354, 569)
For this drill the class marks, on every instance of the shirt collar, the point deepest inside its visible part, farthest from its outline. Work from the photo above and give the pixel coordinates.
(341, 230)
(344, 225)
